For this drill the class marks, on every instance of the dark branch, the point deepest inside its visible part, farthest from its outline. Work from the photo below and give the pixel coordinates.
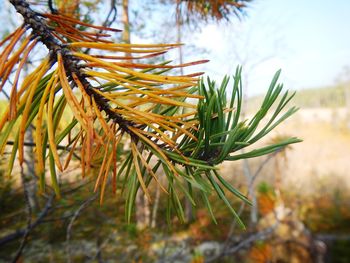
(52, 9)
(29, 217)
(43, 32)
(20, 233)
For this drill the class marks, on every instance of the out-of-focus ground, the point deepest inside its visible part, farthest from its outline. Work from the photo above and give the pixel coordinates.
(301, 196)
(321, 160)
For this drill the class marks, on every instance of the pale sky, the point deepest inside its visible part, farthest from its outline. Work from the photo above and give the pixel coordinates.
(308, 40)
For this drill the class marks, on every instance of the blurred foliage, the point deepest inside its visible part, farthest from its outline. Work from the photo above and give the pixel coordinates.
(328, 213)
(261, 252)
(266, 198)
(329, 97)
(211, 9)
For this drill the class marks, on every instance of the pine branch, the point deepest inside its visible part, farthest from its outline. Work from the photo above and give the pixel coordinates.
(118, 97)
(43, 32)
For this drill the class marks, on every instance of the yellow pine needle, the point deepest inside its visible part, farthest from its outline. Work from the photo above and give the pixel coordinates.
(149, 109)
(5, 53)
(14, 58)
(105, 177)
(184, 130)
(159, 119)
(182, 87)
(97, 154)
(14, 94)
(120, 80)
(138, 171)
(23, 101)
(103, 165)
(123, 79)
(3, 121)
(130, 57)
(70, 154)
(50, 126)
(141, 116)
(83, 158)
(157, 91)
(138, 101)
(107, 46)
(77, 110)
(114, 151)
(162, 100)
(102, 121)
(149, 170)
(74, 21)
(75, 34)
(40, 72)
(146, 76)
(89, 120)
(82, 90)
(74, 37)
(25, 84)
(184, 115)
(38, 123)
(114, 171)
(117, 46)
(153, 66)
(97, 136)
(89, 144)
(155, 147)
(99, 143)
(145, 121)
(172, 93)
(29, 79)
(9, 37)
(171, 144)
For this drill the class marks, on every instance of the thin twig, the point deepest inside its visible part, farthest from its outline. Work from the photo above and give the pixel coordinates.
(29, 217)
(250, 189)
(52, 9)
(113, 9)
(5, 93)
(20, 233)
(70, 225)
(59, 147)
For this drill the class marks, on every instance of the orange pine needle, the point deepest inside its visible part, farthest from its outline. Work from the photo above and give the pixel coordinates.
(105, 177)
(138, 171)
(50, 126)
(156, 54)
(149, 169)
(38, 129)
(4, 55)
(154, 146)
(78, 112)
(102, 168)
(58, 18)
(149, 66)
(14, 93)
(70, 154)
(114, 151)
(37, 74)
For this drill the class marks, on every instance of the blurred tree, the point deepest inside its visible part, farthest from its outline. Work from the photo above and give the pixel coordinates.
(212, 9)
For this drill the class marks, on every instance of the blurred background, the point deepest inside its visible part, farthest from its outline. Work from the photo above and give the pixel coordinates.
(300, 195)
